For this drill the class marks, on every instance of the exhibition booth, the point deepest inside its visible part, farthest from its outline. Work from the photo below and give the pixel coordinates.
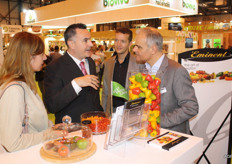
(92, 12)
(104, 11)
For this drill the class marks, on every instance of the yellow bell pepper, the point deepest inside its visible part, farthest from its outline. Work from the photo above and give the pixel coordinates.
(156, 113)
(151, 118)
(132, 80)
(143, 133)
(147, 93)
(133, 96)
(132, 86)
(143, 89)
(148, 100)
(153, 133)
(138, 85)
(130, 94)
(143, 77)
(153, 124)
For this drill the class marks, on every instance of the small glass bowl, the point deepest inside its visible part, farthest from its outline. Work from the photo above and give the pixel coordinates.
(75, 145)
(97, 121)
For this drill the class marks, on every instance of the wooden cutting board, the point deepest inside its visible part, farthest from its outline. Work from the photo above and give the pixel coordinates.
(72, 159)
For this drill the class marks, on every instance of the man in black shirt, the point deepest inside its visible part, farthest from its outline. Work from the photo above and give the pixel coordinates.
(117, 69)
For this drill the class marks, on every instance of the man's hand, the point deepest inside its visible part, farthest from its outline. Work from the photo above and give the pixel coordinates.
(87, 80)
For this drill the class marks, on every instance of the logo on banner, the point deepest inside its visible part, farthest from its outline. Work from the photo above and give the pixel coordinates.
(119, 91)
(165, 3)
(205, 54)
(30, 16)
(11, 29)
(114, 2)
(189, 4)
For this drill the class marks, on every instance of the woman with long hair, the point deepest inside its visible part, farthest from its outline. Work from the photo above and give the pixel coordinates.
(23, 117)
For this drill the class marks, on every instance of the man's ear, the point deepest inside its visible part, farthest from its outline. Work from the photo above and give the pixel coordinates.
(154, 49)
(71, 44)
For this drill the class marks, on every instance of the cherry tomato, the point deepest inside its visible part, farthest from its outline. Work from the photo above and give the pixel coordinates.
(63, 151)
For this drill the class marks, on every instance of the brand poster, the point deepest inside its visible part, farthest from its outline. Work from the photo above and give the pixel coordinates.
(210, 69)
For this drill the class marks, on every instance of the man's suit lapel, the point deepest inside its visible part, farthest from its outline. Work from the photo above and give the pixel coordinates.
(91, 67)
(72, 66)
(163, 68)
(111, 68)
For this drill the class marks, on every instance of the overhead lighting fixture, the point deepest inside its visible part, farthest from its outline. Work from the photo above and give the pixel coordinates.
(211, 22)
(225, 11)
(200, 13)
(199, 22)
(216, 8)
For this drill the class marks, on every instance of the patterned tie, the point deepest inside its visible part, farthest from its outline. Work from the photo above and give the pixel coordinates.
(83, 68)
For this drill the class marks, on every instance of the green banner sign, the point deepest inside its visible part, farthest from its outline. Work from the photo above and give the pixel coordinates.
(119, 91)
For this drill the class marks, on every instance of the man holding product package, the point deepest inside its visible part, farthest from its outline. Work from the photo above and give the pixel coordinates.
(178, 100)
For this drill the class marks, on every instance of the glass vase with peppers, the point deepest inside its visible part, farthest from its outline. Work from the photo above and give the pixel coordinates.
(97, 121)
(146, 84)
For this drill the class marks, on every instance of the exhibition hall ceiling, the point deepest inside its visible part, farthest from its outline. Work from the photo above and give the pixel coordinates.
(214, 7)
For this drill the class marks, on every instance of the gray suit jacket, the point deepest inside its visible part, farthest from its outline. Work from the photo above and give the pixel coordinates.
(178, 103)
(108, 77)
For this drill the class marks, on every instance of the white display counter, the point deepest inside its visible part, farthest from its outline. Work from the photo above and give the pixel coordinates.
(134, 151)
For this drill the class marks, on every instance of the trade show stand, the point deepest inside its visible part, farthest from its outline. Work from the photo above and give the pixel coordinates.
(135, 151)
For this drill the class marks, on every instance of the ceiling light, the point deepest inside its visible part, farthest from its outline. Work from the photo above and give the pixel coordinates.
(225, 11)
(199, 22)
(211, 22)
(216, 8)
(200, 13)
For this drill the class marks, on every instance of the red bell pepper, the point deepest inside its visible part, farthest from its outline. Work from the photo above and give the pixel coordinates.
(158, 128)
(155, 91)
(158, 101)
(149, 78)
(151, 86)
(158, 95)
(136, 91)
(149, 127)
(157, 108)
(157, 81)
(153, 104)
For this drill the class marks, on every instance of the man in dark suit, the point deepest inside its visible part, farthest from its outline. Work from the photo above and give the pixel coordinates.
(71, 85)
(178, 100)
